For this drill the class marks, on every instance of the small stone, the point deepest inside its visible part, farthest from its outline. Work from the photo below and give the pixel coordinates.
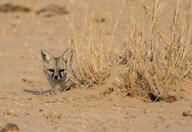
(40, 110)
(30, 98)
(187, 113)
(26, 114)
(147, 111)
(11, 113)
(10, 128)
(27, 80)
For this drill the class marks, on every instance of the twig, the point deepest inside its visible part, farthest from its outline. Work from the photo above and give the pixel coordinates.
(86, 86)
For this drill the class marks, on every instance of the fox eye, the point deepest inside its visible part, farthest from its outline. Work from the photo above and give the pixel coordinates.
(51, 70)
(61, 70)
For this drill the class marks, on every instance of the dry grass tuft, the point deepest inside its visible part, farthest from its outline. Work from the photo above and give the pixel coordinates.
(156, 63)
(156, 55)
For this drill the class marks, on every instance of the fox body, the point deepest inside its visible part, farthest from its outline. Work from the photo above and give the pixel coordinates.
(58, 70)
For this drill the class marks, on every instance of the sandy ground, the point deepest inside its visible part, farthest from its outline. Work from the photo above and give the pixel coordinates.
(23, 34)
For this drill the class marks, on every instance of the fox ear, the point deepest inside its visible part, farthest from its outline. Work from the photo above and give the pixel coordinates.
(45, 56)
(67, 56)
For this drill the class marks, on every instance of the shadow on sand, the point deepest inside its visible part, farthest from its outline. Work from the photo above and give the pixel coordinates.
(35, 92)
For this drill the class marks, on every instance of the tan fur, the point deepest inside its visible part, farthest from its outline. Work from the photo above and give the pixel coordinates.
(58, 70)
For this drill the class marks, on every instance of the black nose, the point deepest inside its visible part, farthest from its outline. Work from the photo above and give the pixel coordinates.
(55, 77)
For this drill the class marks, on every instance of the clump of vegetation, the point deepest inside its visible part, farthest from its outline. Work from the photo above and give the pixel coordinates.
(157, 62)
(156, 55)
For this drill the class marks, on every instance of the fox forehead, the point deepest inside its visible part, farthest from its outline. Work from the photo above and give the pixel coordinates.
(56, 62)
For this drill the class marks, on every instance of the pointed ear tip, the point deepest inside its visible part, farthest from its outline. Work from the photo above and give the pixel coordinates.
(44, 51)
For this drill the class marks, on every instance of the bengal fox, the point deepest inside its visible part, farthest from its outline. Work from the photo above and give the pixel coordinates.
(58, 70)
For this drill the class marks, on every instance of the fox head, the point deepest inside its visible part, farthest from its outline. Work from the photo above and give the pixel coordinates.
(56, 67)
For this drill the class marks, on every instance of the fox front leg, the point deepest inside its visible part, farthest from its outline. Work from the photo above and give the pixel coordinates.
(55, 88)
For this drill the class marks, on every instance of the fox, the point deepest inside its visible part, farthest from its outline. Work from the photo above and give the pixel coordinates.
(58, 70)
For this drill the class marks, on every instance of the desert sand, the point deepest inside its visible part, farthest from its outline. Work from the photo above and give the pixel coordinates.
(24, 32)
